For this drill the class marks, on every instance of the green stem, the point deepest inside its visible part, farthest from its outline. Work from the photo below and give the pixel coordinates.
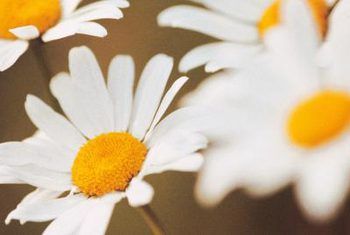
(37, 46)
(151, 220)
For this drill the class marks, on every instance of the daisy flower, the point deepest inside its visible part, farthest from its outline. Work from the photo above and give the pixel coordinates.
(290, 118)
(110, 140)
(22, 21)
(239, 25)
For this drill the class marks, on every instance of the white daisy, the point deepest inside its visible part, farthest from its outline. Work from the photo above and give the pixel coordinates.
(111, 140)
(22, 21)
(239, 25)
(290, 118)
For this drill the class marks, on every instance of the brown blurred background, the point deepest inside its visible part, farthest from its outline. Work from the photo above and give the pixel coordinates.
(138, 35)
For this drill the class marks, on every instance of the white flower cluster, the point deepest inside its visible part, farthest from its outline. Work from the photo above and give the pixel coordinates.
(276, 113)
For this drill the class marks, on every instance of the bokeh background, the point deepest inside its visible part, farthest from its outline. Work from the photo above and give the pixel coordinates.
(138, 35)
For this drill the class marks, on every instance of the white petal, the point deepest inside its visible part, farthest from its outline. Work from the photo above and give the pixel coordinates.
(40, 194)
(92, 29)
(69, 222)
(120, 3)
(207, 22)
(96, 11)
(47, 156)
(70, 28)
(42, 178)
(8, 177)
(71, 96)
(189, 163)
(322, 189)
(198, 56)
(337, 47)
(222, 53)
(232, 57)
(26, 32)
(121, 77)
(244, 10)
(53, 124)
(216, 179)
(10, 51)
(97, 219)
(196, 119)
(295, 44)
(139, 193)
(86, 90)
(87, 74)
(69, 6)
(262, 165)
(61, 30)
(149, 93)
(43, 209)
(175, 145)
(168, 98)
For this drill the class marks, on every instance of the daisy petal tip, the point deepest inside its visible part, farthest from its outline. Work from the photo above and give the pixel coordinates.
(211, 68)
(206, 200)
(122, 58)
(183, 67)
(26, 32)
(140, 193)
(79, 50)
(127, 4)
(8, 220)
(164, 57)
(183, 79)
(165, 18)
(30, 98)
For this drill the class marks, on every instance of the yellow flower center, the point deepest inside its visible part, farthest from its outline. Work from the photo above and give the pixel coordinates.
(271, 16)
(16, 13)
(319, 118)
(107, 163)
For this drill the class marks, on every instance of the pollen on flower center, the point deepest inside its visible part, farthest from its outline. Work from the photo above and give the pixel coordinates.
(107, 163)
(319, 118)
(271, 16)
(16, 13)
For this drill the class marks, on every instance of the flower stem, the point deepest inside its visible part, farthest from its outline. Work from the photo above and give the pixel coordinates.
(151, 220)
(37, 46)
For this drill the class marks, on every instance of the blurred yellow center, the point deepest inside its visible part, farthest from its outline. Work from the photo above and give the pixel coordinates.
(319, 118)
(107, 163)
(271, 16)
(16, 13)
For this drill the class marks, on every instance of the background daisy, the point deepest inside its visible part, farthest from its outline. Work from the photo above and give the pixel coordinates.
(22, 21)
(291, 120)
(110, 141)
(239, 25)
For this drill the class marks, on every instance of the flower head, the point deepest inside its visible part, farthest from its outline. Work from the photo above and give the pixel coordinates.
(239, 25)
(23, 20)
(110, 140)
(290, 112)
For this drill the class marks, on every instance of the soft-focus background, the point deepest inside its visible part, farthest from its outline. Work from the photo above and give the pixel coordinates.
(138, 35)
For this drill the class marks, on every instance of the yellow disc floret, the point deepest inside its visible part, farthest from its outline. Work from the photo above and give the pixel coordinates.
(319, 119)
(271, 16)
(107, 163)
(16, 13)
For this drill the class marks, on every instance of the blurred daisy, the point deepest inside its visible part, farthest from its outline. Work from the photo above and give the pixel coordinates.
(21, 21)
(109, 143)
(290, 118)
(240, 25)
